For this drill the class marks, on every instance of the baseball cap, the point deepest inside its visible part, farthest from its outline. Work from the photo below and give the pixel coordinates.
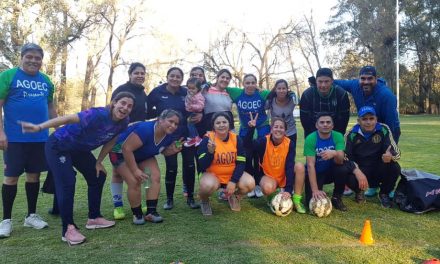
(31, 46)
(366, 110)
(368, 70)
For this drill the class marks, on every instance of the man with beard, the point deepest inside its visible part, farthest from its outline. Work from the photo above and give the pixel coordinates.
(369, 90)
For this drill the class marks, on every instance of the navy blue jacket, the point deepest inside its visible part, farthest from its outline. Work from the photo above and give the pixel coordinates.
(160, 99)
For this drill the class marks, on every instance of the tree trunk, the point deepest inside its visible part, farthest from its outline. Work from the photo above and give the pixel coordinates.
(87, 81)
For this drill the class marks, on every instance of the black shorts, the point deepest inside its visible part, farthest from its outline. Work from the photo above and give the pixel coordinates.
(24, 157)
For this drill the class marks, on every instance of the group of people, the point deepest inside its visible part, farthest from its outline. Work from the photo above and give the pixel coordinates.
(195, 120)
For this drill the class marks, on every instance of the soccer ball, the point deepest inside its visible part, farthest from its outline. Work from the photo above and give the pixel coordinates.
(320, 207)
(281, 206)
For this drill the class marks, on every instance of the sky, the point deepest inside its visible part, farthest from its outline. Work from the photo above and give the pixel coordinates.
(197, 22)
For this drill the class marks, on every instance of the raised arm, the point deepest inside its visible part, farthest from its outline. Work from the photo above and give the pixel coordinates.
(55, 122)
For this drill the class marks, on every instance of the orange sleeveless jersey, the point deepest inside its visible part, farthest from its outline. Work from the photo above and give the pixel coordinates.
(225, 155)
(274, 160)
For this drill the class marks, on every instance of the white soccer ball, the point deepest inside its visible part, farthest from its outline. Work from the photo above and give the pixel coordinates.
(281, 206)
(320, 207)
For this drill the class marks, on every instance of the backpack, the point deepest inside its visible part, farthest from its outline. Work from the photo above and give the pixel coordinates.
(417, 192)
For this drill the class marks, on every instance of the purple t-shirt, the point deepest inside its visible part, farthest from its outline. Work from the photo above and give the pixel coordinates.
(145, 132)
(94, 129)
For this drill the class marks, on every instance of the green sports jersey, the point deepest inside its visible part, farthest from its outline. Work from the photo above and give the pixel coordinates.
(314, 145)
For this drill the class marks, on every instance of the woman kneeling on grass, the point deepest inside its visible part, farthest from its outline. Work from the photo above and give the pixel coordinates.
(222, 161)
(71, 146)
(135, 151)
(276, 154)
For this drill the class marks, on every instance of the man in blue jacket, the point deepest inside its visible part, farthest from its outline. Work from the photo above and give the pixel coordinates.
(369, 90)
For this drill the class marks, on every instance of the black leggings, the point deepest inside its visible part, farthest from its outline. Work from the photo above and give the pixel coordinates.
(188, 172)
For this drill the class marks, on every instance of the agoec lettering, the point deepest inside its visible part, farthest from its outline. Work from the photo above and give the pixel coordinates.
(245, 105)
(225, 158)
(33, 85)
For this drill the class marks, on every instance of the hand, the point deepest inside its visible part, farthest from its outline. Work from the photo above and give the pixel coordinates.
(363, 182)
(387, 156)
(3, 140)
(211, 146)
(253, 121)
(318, 194)
(99, 168)
(361, 178)
(230, 189)
(140, 176)
(27, 127)
(328, 154)
(286, 195)
(195, 118)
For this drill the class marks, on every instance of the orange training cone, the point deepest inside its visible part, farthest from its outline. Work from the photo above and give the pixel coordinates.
(367, 236)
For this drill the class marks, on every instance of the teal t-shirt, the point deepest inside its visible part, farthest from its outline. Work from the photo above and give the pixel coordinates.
(26, 99)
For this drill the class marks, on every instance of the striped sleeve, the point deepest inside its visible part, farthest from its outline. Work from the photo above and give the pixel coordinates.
(240, 162)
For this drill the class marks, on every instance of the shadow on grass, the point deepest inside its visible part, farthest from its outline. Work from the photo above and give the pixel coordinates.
(344, 231)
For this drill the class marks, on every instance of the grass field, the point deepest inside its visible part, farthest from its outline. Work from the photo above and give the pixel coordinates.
(254, 235)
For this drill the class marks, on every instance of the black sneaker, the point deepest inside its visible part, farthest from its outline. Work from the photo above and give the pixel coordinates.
(385, 200)
(192, 204)
(338, 204)
(53, 211)
(360, 197)
(169, 204)
(153, 217)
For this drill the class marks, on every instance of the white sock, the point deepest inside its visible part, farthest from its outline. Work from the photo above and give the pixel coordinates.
(116, 188)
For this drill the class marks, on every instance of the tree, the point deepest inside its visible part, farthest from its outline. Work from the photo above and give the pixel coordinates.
(66, 22)
(15, 28)
(420, 30)
(121, 22)
(367, 27)
(227, 52)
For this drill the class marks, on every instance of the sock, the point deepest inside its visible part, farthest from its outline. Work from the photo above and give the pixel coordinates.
(32, 189)
(296, 198)
(8, 196)
(151, 206)
(137, 211)
(116, 188)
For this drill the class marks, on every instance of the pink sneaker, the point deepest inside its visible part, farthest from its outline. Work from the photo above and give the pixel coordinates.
(190, 142)
(198, 141)
(99, 222)
(73, 236)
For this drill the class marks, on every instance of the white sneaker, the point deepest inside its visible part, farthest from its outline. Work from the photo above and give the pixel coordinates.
(35, 221)
(251, 194)
(5, 228)
(258, 191)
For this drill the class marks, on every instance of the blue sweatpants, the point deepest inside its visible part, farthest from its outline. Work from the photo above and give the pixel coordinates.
(62, 164)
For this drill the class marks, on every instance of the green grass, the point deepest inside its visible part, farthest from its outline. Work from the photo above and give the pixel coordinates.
(254, 235)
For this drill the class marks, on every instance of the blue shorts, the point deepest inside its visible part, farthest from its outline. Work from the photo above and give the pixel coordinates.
(24, 157)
